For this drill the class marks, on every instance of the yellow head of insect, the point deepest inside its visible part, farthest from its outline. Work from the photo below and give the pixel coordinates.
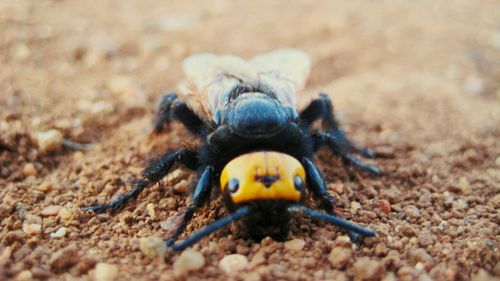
(263, 175)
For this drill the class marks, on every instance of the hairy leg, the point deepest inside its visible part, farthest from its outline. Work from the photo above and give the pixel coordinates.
(319, 190)
(332, 142)
(152, 174)
(171, 108)
(317, 185)
(200, 196)
(322, 108)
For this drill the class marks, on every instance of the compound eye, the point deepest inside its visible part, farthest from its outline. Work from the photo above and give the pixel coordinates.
(298, 182)
(233, 185)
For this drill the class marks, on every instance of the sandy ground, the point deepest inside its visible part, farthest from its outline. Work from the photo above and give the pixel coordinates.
(418, 80)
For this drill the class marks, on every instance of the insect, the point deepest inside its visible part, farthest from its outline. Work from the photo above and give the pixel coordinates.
(256, 147)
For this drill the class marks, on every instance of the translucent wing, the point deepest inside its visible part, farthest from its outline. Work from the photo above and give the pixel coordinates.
(284, 71)
(214, 76)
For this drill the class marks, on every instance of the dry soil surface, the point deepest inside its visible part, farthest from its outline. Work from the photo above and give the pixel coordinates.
(417, 80)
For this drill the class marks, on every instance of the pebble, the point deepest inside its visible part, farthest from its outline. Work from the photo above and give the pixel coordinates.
(32, 228)
(64, 258)
(459, 204)
(233, 263)
(24, 275)
(412, 211)
(49, 140)
(105, 272)
(45, 186)
(462, 186)
(60, 233)
(65, 214)
(151, 210)
(29, 170)
(384, 205)
(368, 269)
(340, 256)
(483, 275)
(474, 86)
(20, 52)
(420, 255)
(355, 206)
(152, 246)
(189, 260)
(295, 244)
(51, 210)
(495, 200)
(182, 186)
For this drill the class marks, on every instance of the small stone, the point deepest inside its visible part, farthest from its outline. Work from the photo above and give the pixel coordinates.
(461, 187)
(151, 209)
(32, 228)
(20, 52)
(420, 255)
(474, 86)
(495, 200)
(384, 205)
(51, 210)
(355, 206)
(340, 256)
(84, 266)
(49, 140)
(65, 214)
(64, 258)
(24, 275)
(368, 269)
(232, 264)
(60, 233)
(29, 170)
(105, 272)
(412, 211)
(295, 244)
(182, 186)
(152, 246)
(496, 269)
(483, 275)
(26, 216)
(45, 186)
(189, 260)
(459, 204)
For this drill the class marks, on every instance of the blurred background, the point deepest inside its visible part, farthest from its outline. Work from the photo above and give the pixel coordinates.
(419, 80)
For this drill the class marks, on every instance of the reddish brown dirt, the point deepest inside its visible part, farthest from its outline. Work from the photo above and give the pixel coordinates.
(416, 79)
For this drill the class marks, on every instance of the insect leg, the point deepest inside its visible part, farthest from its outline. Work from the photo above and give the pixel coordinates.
(317, 185)
(164, 113)
(170, 108)
(322, 108)
(352, 228)
(153, 173)
(218, 224)
(200, 195)
(332, 142)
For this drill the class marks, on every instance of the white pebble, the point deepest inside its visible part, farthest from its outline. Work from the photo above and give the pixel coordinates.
(189, 260)
(295, 244)
(152, 246)
(61, 232)
(32, 228)
(105, 272)
(233, 263)
(49, 140)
